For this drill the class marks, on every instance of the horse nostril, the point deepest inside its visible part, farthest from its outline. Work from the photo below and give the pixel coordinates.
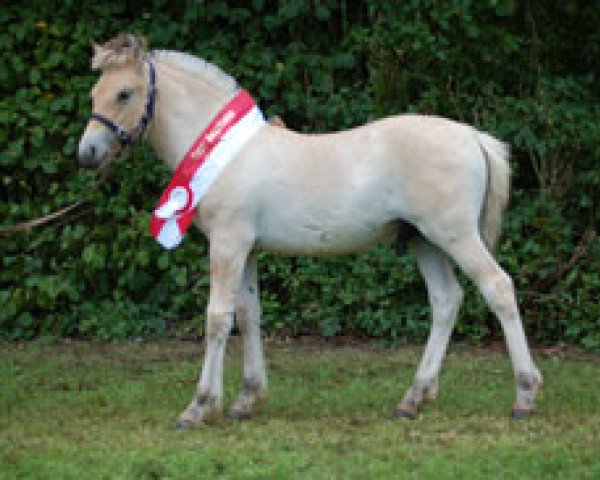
(88, 154)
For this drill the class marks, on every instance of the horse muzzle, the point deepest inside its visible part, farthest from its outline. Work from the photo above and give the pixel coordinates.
(95, 148)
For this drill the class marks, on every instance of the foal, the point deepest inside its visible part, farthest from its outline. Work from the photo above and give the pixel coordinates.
(316, 194)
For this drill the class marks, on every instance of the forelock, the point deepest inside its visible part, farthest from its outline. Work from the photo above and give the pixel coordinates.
(120, 50)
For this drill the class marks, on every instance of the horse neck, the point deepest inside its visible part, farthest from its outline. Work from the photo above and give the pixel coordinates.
(185, 105)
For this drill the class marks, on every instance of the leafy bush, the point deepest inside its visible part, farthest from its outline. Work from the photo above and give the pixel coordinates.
(525, 71)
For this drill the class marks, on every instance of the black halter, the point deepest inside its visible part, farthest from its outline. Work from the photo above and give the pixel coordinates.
(127, 138)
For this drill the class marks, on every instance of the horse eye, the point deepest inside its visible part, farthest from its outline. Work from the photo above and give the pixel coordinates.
(123, 96)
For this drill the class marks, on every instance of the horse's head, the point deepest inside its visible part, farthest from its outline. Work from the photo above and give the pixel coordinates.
(122, 99)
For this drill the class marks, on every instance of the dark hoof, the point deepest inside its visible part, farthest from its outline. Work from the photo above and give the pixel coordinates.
(238, 415)
(520, 414)
(183, 425)
(398, 413)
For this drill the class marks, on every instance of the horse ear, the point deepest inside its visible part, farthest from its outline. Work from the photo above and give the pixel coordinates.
(131, 47)
(99, 56)
(140, 43)
(139, 46)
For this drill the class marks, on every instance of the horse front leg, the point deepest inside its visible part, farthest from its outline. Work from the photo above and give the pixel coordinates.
(247, 316)
(227, 262)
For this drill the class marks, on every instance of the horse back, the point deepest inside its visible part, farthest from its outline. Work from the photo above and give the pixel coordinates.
(339, 192)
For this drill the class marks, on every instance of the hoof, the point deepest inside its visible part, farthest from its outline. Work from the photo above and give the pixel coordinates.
(407, 409)
(403, 413)
(520, 414)
(182, 425)
(238, 415)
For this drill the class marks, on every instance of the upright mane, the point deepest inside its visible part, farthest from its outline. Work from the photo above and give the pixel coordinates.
(126, 48)
(208, 71)
(122, 49)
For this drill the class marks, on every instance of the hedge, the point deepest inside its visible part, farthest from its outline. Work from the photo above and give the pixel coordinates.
(526, 71)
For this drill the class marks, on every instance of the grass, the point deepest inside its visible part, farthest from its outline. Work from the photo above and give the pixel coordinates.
(86, 410)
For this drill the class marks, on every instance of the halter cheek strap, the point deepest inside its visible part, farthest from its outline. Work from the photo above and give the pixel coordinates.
(127, 138)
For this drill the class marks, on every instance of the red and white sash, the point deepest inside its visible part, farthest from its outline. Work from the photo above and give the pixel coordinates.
(224, 137)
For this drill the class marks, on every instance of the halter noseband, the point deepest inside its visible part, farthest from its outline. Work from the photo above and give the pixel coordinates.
(127, 138)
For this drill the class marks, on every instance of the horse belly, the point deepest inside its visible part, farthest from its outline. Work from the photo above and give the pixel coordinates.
(322, 232)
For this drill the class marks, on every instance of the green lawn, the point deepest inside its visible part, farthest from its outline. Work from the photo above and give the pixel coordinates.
(86, 410)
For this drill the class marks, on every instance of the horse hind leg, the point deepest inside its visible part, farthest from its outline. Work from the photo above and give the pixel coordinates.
(247, 315)
(497, 288)
(445, 296)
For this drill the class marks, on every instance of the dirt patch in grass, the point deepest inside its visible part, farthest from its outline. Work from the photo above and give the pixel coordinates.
(175, 350)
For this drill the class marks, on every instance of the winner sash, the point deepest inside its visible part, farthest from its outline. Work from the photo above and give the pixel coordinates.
(224, 137)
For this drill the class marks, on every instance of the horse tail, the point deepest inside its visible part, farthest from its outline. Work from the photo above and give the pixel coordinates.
(496, 155)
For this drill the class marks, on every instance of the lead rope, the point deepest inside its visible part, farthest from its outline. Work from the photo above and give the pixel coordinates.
(44, 219)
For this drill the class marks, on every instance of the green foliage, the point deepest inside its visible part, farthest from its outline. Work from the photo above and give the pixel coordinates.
(525, 71)
(357, 294)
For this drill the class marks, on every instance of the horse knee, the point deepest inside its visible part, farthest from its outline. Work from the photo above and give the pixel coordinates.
(218, 323)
